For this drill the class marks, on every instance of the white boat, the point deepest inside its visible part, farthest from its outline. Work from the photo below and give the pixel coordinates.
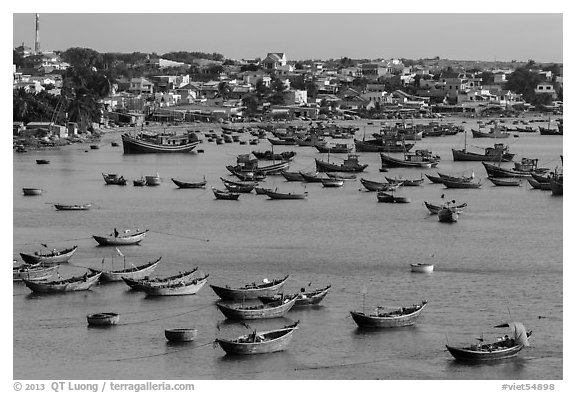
(422, 267)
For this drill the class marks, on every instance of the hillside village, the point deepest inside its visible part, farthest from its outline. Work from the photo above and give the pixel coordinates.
(215, 89)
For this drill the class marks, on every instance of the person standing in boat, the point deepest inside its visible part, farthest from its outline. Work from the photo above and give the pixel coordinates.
(115, 232)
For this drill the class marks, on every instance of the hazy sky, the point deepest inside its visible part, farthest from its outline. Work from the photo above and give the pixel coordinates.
(462, 36)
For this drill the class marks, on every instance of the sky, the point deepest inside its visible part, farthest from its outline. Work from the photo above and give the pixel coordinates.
(247, 35)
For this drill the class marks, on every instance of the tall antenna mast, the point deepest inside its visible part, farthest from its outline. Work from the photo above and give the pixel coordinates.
(37, 37)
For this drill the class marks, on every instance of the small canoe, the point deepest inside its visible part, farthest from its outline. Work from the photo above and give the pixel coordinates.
(124, 239)
(434, 179)
(134, 272)
(103, 319)
(404, 316)
(85, 206)
(460, 184)
(434, 209)
(112, 178)
(53, 257)
(32, 191)
(341, 176)
(183, 184)
(259, 342)
(422, 267)
(506, 182)
(180, 334)
(282, 195)
(389, 198)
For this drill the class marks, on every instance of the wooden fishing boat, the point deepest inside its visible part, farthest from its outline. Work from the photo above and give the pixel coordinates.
(506, 182)
(138, 284)
(463, 179)
(460, 184)
(331, 182)
(524, 168)
(237, 187)
(448, 214)
(311, 177)
(53, 257)
(341, 176)
(246, 176)
(250, 291)
(271, 156)
(282, 195)
(550, 131)
(225, 195)
(139, 182)
(32, 191)
(103, 319)
(390, 198)
(145, 143)
(304, 298)
(371, 185)
(42, 162)
(245, 164)
(404, 316)
(382, 146)
(350, 164)
(537, 185)
(190, 287)
(257, 311)
(504, 348)
(498, 153)
(418, 159)
(261, 190)
(134, 272)
(292, 176)
(434, 209)
(153, 180)
(496, 132)
(259, 342)
(183, 184)
(405, 182)
(127, 238)
(32, 272)
(557, 184)
(283, 142)
(180, 334)
(434, 179)
(60, 206)
(78, 283)
(421, 267)
(114, 179)
(336, 148)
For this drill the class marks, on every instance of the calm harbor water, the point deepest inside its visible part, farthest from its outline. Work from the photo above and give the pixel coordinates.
(503, 257)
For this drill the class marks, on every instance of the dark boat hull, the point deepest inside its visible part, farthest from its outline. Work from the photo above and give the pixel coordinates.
(136, 146)
(247, 293)
(462, 155)
(469, 355)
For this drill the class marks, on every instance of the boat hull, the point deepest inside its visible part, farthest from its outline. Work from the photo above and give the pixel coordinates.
(103, 319)
(462, 155)
(47, 260)
(136, 146)
(367, 321)
(137, 273)
(247, 293)
(422, 267)
(82, 283)
(31, 273)
(120, 240)
(469, 355)
(252, 348)
(32, 191)
(178, 289)
(259, 312)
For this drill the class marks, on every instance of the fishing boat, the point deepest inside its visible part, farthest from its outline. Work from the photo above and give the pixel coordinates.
(460, 184)
(434, 179)
(494, 154)
(390, 198)
(304, 298)
(53, 257)
(538, 185)
(550, 131)
(31, 191)
(134, 272)
(282, 142)
(332, 182)
(421, 267)
(434, 209)
(405, 182)
(138, 284)
(350, 164)
(341, 176)
(335, 148)
(448, 214)
(292, 176)
(145, 143)
(257, 311)
(153, 180)
(557, 184)
(183, 184)
(225, 195)
(139, 182)
(245, 164)
(524, 168)
(246, 176)
(103, 319)
(271, 156)
(238, 187)
(60, 206)
(114, 179)
(418, 159)
(382, 146)
(78, 283)
(32, 272)
(94, 147)
(261, 190)
(116, 239)
(250, 291)
(181, 288)
(506, 182)
(274, 194)
(180, 334)
(496, 132)
(463, 179)
(400, 317)
(42, 162)
(310, 177)
(504, 348)
(371, 185)
(259, 342)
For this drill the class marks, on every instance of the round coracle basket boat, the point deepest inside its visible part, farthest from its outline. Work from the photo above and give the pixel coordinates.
(103, 319)
(180, 334)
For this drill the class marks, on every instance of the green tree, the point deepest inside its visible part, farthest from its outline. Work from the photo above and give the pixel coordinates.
(224, 90)
(83, 58)
(250, 102)
(524, 81)
(311, 89)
